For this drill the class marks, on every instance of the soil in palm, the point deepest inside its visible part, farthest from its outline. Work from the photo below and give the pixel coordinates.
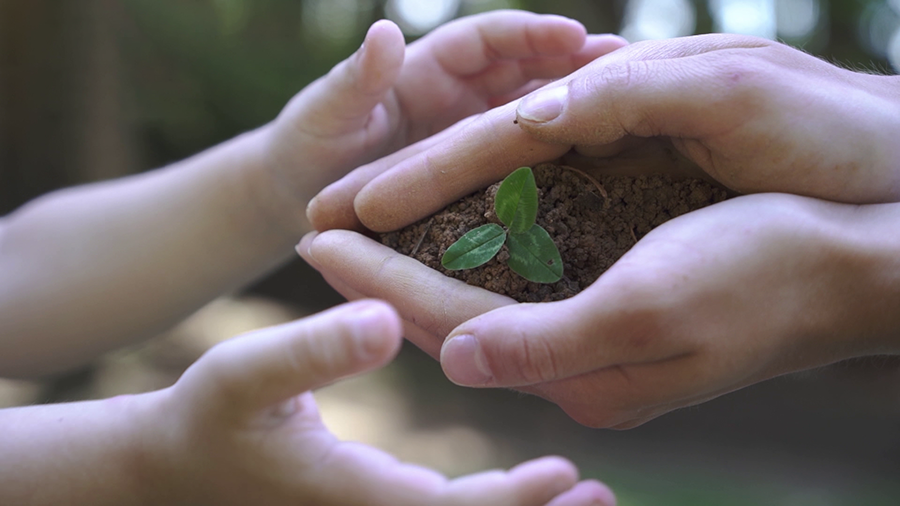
(593, 221)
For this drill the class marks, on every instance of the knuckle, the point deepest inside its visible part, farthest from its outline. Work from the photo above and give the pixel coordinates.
(535, 359)
(742, 81)
(218, 368)
(625, 77)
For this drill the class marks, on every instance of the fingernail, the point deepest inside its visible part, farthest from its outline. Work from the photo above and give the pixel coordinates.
(543, 105)
(368, 321)
(464, 361)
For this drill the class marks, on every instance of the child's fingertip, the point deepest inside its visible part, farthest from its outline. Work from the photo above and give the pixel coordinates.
(570, 22)
(586, 493)
(376, 329)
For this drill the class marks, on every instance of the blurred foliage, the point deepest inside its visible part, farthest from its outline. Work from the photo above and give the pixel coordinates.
(202, 71)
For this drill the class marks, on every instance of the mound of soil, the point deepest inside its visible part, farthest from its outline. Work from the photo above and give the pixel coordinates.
(592, 221)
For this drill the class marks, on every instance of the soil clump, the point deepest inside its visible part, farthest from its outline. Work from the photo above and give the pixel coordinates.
(592, 221)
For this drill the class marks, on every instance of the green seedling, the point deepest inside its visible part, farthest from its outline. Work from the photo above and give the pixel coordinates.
(532, 253)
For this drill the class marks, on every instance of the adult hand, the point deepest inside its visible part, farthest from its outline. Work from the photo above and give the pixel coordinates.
(756, 115)
(707, 303)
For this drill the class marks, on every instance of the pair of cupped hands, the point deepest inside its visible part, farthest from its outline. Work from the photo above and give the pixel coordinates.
(795, 273)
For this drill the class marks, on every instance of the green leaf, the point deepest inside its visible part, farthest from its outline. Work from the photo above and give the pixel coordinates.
(534, 256)
(475, 248)
(516, 202)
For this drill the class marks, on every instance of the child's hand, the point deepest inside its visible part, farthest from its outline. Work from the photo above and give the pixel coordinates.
(241, 427)
(385, 97)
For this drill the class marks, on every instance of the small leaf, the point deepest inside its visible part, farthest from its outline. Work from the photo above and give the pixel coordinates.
(534, 256)
(475, 248)
(516, 202)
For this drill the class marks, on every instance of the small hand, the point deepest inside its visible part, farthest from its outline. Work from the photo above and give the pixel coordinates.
(707, 303)
(387, 96)
(238, 428)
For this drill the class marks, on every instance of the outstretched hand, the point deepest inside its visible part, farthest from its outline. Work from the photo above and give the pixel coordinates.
(387, 95)
(241, 427)
(707, 303)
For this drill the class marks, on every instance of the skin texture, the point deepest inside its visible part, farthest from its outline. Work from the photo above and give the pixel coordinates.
(89, 269)
(183, 235)
(750, 112)
(712, 301)
(241, 427)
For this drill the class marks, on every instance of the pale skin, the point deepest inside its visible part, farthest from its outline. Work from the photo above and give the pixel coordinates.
(96, 267)
(183, 235)
(713, 301)
(240, 427)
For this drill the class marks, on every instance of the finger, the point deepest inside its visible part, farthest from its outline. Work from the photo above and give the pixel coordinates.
(248, 374)
(532, 483)
(693, 88)
(480, 153)
(426, 341)
(333, 207)
(586, 493)
(343, 99)
(432, 301)
(612, 323)
(548, 67)
(505, 76)
(469, 45)
(379, 479)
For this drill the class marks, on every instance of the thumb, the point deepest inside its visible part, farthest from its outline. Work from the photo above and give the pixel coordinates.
(261, 369)
(686, 88)
(527, 344)
(343, 99)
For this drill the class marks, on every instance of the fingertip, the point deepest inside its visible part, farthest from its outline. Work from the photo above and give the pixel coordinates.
(559, 35)
(540, 480)
(586, 493)
(464, 362)
(377, 329)
(596, 45)
(567, 23)
(381, 56)
(384, 28)
(558, 469)
(302, 249)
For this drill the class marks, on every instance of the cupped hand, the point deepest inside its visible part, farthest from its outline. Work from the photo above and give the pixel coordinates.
(707, 303)
(241, 427)
(387, 95)
(756, 115)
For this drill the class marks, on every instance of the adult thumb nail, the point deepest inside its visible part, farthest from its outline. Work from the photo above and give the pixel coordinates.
(543, 105)
(464, 361)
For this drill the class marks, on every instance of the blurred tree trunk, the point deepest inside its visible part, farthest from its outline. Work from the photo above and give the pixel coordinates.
(61, 114)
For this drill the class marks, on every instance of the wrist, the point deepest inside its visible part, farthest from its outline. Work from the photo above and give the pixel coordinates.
(73, 453)
(275, 203)
(865, 271)
(279, 192)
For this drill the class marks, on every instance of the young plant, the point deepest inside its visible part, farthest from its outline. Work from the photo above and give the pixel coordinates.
(532, 253)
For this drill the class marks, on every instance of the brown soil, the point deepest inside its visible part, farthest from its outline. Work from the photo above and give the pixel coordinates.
(593, 222)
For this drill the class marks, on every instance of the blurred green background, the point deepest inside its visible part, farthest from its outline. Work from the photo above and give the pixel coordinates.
(94, 89)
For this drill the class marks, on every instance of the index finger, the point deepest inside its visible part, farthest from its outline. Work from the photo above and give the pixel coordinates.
(423, 296)
(480, 153)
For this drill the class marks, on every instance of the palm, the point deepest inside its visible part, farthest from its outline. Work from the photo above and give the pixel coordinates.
(671, 303)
